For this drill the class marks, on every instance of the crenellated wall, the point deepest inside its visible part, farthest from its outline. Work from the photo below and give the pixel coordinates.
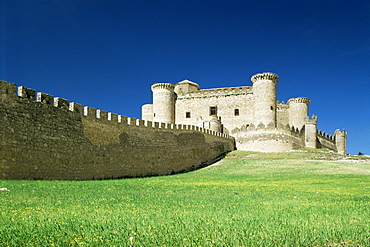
(268, 138)
(46, 137)
(325, 140)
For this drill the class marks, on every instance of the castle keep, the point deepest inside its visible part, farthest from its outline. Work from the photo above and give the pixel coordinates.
(251, 114)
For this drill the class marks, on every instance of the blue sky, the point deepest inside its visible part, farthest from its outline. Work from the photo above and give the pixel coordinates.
(106, 53)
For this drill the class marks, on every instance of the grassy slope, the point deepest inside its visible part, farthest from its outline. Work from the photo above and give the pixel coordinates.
(247, 199)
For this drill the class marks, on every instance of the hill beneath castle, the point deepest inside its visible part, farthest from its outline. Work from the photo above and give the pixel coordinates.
(300, 198)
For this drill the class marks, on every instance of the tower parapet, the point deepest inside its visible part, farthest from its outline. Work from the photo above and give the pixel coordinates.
(303, 100)
(265, 76)
(163, 102)
(161, 85)
(264, 94)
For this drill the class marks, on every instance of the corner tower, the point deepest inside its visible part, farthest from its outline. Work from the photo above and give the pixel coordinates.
(264, 95)
(163, 102)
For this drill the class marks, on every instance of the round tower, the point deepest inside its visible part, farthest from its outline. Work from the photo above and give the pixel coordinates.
(215, 124)
(264, 95)
(298, 112)
(147, 112)
(163, 102)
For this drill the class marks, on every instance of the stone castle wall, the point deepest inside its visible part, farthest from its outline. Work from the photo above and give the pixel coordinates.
(43, 137)
(264, 138)
(226, 101)
(325, 140)
(282, 113)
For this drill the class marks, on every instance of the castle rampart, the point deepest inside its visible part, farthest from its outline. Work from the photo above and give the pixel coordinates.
(46, 137)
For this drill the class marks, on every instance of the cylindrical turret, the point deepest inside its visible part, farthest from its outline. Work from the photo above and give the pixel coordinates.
(298, 111)
(147, 112)
(215, 124)
(341, 141)
(264, 95)
(163, 102)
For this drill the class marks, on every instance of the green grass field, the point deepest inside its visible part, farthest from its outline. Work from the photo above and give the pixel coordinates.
(247, 199)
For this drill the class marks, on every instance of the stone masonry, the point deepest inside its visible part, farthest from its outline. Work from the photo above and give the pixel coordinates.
(46, 137)
(251, 114)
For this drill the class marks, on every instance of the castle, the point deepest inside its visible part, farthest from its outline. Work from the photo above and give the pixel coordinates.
(251, 114)
(47, 137)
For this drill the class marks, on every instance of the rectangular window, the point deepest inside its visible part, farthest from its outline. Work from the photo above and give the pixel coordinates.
(187, 114)
(212, 111)
(236, 112)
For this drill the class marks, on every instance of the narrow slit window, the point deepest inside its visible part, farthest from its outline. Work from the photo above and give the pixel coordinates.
(236, 112)
(187, 114)
(212, 111)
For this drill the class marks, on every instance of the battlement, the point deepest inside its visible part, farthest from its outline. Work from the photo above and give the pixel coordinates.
(343, 133)
(217, 92)
(168, 86)
(97, 114)
(281, 105)
(265, 76)
(47, 137)
(313, 120)
(286, 128)
(326, 136)
(299, 100)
